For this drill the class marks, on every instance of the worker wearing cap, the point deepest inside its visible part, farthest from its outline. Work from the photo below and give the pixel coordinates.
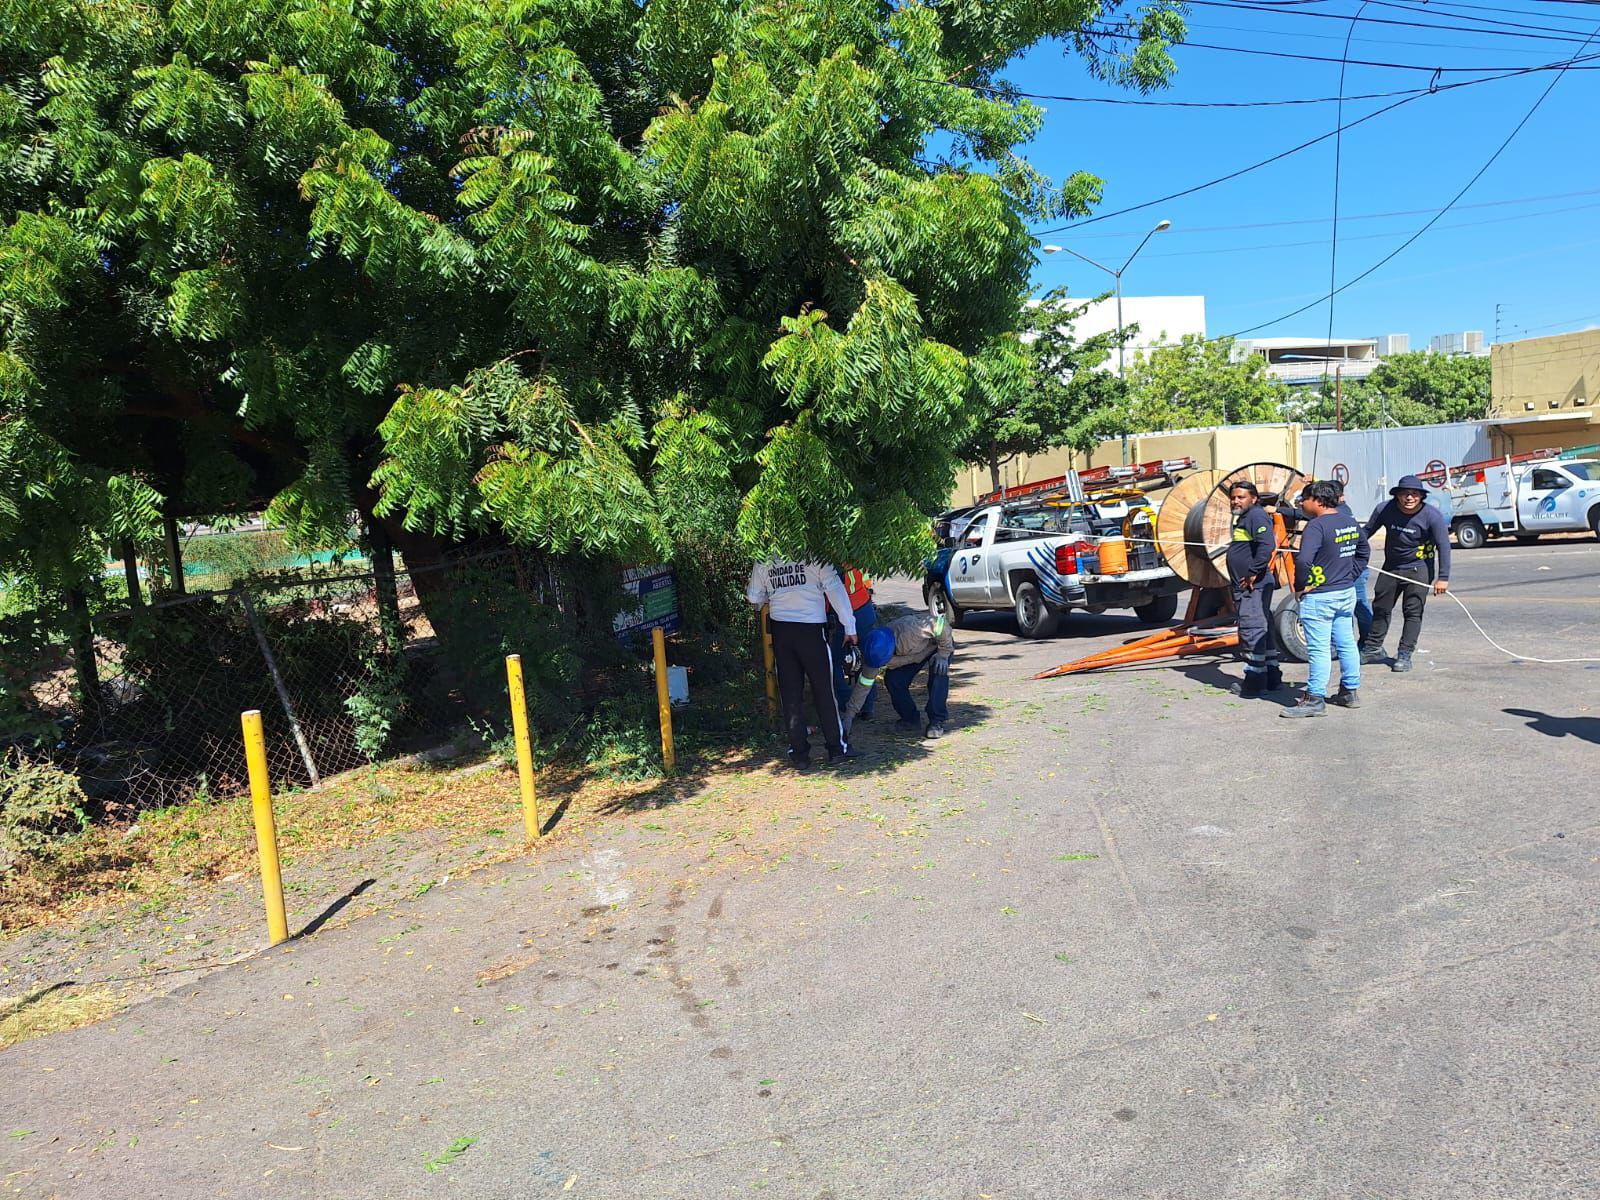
(858, 584)
(1333, 552)
(798, 595)
(1416, 559)
(896, 652)
(1363, 593)
(1249, 561)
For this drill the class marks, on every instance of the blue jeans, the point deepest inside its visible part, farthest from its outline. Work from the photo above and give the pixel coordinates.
(1363, 605)
(899, 680)
(1324, 619)
(866, 621)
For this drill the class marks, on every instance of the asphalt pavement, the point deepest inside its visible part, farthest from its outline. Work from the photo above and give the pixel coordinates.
(1120, 935)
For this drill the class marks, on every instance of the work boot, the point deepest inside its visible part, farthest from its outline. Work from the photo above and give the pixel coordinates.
(1274, 679)
(1371, 655)
(1402, 661)
(1250, 687)
(843, 757)
(1347, 698)
(907, 726)
(934, 732)
(1309, 706)
(798, 762)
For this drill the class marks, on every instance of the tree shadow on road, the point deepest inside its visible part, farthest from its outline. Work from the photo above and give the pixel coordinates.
(1585, 729)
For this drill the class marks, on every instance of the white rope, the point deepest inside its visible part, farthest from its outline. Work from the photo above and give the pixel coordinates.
(1552, 662)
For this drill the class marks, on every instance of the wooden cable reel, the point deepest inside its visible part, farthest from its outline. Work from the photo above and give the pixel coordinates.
(1197, 511)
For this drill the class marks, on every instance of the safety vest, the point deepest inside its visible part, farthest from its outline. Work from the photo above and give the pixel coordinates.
(859, 584)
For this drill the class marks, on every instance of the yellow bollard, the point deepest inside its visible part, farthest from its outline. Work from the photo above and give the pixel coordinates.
(255, 757)
(664, 700)
(771, 663)
(519, 728)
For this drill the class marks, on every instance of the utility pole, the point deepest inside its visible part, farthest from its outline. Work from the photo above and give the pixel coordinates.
(1338, 399)
(1497, 309)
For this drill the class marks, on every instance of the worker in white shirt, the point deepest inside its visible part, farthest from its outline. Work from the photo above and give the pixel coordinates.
(798, 595)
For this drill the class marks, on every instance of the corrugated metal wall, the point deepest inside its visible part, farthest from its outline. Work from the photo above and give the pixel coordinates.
(1376, 458)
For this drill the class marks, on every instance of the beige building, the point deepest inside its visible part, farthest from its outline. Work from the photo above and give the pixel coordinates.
(1221, 446)
(1543, 393)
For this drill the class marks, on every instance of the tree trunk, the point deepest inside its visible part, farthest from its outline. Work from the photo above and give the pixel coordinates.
(174, 553)
(84, 667)
(130, 572)
(994, 471)
(388, 593)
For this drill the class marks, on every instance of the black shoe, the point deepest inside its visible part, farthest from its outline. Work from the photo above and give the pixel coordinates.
(797, 762)
(1274, 679)
(1346, 698)
(1250, 687)
(841, 758)
(933, 732)
(1370, 657)
(866, 716)
(1402, 661)
(1309, 706)
(908, 726)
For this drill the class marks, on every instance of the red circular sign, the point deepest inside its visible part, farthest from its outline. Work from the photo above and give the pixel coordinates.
(1341, 472)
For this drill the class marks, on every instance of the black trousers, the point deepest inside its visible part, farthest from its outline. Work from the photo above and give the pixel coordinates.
(1256, 643)
(803, 655)
(1413, 597)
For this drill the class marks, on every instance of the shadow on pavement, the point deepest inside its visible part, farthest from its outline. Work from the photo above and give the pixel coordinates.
(327, 914)
(1585, 729)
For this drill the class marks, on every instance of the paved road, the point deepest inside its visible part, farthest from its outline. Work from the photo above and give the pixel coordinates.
(1121, 936)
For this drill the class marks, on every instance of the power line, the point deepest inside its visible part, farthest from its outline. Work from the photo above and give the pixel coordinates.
(1354, 62)
(1543, 33)
(1384, 41)
(1431, 221)
(1003, 90)
(1282, 154)
(1405, 212)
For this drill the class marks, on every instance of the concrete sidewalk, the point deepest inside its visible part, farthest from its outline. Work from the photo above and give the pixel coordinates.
(1119, 936)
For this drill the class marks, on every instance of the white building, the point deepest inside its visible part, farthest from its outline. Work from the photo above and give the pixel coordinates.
(1161, 321)
(1305, 361)
(1467, 344)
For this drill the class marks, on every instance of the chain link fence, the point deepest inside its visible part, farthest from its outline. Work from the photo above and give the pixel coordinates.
(345, 669)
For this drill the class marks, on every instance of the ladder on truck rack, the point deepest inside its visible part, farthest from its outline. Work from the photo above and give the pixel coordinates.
(1441, 476)
(1077, 484)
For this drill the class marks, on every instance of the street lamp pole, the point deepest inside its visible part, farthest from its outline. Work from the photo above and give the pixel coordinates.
(1116, 275)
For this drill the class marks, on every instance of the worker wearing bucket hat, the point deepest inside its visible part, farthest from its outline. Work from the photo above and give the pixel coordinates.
(1416, 548)
(896, 652)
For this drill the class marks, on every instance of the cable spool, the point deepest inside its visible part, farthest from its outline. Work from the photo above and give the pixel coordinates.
(1198, 511)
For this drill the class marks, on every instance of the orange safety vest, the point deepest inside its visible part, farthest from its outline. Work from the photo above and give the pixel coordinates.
(859, 584)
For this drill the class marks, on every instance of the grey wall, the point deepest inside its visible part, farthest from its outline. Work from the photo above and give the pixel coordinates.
(1377, 458)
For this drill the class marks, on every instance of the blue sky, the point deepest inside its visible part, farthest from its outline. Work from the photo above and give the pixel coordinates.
(1538, 257)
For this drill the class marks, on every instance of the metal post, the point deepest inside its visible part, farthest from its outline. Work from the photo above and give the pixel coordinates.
(283, 692)
(531, 825)
(669, 758)
(1338, 398)
(770, 662)
(1122, 365)
(255, 757)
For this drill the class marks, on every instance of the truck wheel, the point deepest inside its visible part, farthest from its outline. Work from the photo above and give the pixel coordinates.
(938, 600)
(1034, 617)
(1158, 611)
(1285, 621)
(1470, 534)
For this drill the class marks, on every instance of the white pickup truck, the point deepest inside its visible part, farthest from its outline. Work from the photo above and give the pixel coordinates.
(1524, 499)
(1029, 558)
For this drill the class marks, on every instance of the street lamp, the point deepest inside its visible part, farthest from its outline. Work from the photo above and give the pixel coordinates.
(1116, 273)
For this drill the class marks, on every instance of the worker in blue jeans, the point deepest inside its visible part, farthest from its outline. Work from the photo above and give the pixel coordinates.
(896, 652)
(1333, 552)
(858, 584)
(1363, 591)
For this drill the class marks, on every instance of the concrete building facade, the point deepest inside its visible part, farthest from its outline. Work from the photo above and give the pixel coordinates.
(1302, 361)
(1161, 321)
(1543, 392)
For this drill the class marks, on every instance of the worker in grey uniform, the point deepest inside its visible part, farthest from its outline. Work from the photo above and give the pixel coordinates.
(797, 596)
(896, 652)
(1249, 561)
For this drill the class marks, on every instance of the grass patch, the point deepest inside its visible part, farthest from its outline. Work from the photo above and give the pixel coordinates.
(54, 1010)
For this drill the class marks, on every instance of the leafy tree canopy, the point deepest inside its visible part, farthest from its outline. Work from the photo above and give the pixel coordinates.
(553, 269)
(1410, 389)
(1053, 391)
(1197, 382)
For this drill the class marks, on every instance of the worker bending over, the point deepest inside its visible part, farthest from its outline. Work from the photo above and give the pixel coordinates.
(1249, 561)
(1417, 548)
(858, 584)
(798, 595)
(896, 653)
(1333, 553)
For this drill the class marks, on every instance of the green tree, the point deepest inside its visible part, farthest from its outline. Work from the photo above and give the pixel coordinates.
(1063, 397)
(1410, 389)
(555, 271)
(1199, 381)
